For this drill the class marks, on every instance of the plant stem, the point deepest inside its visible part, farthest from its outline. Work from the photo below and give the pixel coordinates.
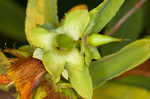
(127, 15)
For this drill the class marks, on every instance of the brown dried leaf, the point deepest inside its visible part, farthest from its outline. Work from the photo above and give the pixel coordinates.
(26, 73)
(4, 79)
(26, 93)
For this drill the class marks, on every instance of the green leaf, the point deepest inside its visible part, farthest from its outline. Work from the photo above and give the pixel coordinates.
(54, 64)
(79, 74)
(137, 81)
(102, 14)
(40, 12)
(18, 53)
(98, 39)
(127, 58)
(75, 23)
(12, 20)
(4, 63)
(94, 52)
(74, 59)
(26, 48)
(131, 29)
(81, 81)
(120, 91)
(23, 51)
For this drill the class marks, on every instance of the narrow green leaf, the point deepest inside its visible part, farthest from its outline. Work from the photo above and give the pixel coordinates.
(102, 14)
(18, 53)
(133, 80)
(131, 29)
(79, 74)
(4, 63)
(120, 91)
(127, 58)
(23, 51)
(40, 12)
(75, 23)
(98, 39)
(12, 20)
(26, 48)
(81, 81)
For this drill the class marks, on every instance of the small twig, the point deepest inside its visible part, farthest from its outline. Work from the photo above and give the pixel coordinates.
(124, 18)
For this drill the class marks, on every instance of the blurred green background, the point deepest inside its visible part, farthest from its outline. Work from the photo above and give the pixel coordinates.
(12, 16)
